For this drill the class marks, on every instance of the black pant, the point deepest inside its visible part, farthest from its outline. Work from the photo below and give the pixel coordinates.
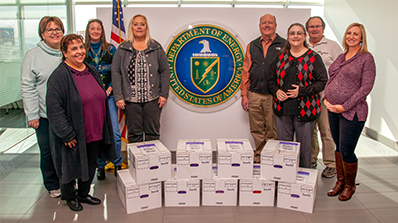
(50, 177)
(345, 135)
(143, 118)
(83, 187)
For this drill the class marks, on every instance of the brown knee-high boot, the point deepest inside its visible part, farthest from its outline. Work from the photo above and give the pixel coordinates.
(350, 171)
(339, 186)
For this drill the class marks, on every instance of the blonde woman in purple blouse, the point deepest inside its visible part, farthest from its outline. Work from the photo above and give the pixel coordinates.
(352, 76)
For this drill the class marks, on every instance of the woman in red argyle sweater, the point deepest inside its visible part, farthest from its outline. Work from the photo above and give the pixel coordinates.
(297, 77)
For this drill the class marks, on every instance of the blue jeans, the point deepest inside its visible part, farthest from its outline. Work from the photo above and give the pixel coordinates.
(345, 135)
(116, 134)
(50, 177)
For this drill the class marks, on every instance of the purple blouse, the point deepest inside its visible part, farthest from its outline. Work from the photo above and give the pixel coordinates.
(350, 82)
(93, 102)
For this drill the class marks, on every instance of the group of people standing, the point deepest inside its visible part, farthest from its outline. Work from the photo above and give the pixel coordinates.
(72, 89)
(290, 87)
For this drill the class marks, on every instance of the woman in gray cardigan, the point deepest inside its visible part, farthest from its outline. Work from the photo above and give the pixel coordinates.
(140, 79)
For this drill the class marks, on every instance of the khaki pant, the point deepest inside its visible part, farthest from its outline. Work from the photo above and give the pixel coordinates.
(326, 138)
(261, 116)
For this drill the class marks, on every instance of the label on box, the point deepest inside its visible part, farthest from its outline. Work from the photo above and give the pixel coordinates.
(230, 185)
(289, 161)
(307, 191)
(154, 188)
(268, 186)
(302, 176)
(246, 159)
(205, 158)
(194, 146)
(209, 186)
(287, 146)
(164, 159)
(142, 163)
(246, 186)
(192, 185)
(133, 192)
(149, 149)
(233, 146)
(170, 186)
(183, 159)
(224, 159)
(284, 188)
(267, 160)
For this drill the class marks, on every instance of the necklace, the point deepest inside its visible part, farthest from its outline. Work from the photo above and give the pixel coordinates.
(96, 55)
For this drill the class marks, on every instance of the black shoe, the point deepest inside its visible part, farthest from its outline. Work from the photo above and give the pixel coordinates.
(117, 167)
(90, 200)
(101, 173)
(74, 205)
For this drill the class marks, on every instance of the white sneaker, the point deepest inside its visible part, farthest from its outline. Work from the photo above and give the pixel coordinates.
(55, 193)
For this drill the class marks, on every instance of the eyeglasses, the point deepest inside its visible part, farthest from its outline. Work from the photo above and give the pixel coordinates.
(314, 27)
(299, 33)
(51, 31)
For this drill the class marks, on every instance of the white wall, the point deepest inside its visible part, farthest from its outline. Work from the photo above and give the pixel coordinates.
(231, 122)
(379, 19)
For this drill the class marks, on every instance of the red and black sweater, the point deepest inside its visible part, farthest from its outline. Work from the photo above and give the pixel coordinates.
(310, 75)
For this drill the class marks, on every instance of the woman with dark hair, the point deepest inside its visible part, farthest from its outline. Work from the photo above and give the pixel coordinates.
(352, 76)
(99, 53)
(297, 77)
(141, 79)
(81, 128)
(37, 66)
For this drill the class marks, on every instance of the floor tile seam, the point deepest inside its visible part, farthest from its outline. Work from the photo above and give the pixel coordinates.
(367, 209)
(34, 204)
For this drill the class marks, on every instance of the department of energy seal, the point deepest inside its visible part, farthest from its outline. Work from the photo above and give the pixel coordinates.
(206, 65)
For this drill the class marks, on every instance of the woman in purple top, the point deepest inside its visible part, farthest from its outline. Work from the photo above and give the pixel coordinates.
(81, 128)
(351, 79)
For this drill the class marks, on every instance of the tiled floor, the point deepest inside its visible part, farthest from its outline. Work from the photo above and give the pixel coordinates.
(24, 199)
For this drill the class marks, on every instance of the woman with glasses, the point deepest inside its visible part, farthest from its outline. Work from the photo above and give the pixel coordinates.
(99, 53)
(352, 76)
(37, 66)
(297, 77)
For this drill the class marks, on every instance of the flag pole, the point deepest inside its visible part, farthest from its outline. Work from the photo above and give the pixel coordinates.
(118, 20)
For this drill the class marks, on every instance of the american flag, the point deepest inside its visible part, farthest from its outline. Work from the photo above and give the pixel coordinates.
(118, 35)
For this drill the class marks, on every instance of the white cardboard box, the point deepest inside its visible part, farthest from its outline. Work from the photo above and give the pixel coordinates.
(194, 159)
(280, 161)
(219, 192)
(182, 193)
(136, 198)
(235, 159)
(256, 191)
(149, 162)
(301, 195)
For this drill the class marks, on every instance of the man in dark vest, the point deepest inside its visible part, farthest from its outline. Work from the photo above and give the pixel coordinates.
(256, 96)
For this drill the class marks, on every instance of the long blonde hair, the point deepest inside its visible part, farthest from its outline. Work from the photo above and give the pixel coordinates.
(130, 35)
(364, 45)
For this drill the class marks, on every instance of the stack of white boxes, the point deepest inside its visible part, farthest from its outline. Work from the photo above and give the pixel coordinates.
(194, 163)
(139, 187)
(234, 162)
(296, 186)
